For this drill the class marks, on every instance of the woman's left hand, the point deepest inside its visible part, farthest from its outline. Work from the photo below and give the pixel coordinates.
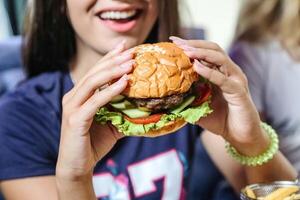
(234, 115)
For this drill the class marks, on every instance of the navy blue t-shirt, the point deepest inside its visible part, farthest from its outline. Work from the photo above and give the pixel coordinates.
(136, 168)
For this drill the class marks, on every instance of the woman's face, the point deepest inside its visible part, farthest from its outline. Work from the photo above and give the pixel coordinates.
(101, 24)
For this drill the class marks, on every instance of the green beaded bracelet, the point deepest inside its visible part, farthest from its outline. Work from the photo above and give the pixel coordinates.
(262, 158)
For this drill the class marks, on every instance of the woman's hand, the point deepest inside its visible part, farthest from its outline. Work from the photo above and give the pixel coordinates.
(83, 143)
(234, 117)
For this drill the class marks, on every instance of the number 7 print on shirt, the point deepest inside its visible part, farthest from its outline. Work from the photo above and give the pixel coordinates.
(165, 166)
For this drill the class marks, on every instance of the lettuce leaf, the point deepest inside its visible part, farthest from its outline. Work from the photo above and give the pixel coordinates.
(191, 115)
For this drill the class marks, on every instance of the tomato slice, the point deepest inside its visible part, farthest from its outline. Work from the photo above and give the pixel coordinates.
(205, 91)
(145, 120)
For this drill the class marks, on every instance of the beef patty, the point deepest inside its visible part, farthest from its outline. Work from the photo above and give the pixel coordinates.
(159, 104)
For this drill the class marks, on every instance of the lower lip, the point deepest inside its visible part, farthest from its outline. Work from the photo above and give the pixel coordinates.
(120, 27)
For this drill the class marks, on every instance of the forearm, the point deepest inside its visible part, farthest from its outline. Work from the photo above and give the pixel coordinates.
(75, 189)
(239, 176)
(278, 168)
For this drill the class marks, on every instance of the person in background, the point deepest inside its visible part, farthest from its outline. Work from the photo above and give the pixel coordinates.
(267, 48)
(50, 147)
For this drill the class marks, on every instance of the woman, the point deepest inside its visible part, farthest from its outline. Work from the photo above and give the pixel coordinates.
(267, 48)
(66, 50)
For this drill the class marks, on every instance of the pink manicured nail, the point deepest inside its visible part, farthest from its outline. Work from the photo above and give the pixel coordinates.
(197, 63)
(187, 48)
(121, 45)
(119, 84)
(128, 64)
(177, 40)
(125, 56)
(128, 51)
(125, 77)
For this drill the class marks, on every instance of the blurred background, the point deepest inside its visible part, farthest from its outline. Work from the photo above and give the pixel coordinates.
(11, 21)
(217, 18)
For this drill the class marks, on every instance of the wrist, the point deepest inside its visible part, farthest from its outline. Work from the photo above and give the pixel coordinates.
(255, 145)
(249, 155)
(70, 186)
(72, 174)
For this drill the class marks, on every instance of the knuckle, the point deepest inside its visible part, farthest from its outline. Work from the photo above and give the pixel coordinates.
(113, 60)
(244, 92)
(244, 79)
(210, 75)
(223, 81)
(66, 112)
(109, 74)
(110, 91)
(215, 45)
(93, 82)
(223, 58)
(113, 72)
(65, 98)
(72, 119)
(94, 100)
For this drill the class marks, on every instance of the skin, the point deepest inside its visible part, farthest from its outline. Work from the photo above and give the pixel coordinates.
(84, 143)
(94, 40)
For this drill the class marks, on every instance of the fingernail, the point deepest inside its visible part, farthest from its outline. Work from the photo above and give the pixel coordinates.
(127, 65)
(128, 51)
(177, 40)
(125, 78)
(121, 45)
(120, 83)
(190, 54)
(126, 56)
(197, 63)
(187, 48)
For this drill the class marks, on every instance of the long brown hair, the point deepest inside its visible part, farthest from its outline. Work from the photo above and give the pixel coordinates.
(49, 39)
(261, 20)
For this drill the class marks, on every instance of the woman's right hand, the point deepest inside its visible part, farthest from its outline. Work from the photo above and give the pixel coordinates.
(83, 142)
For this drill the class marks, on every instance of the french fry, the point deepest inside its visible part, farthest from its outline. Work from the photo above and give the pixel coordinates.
(281, 193)
(293, 197)
(296, 197)
(250, 193)
(289, 198)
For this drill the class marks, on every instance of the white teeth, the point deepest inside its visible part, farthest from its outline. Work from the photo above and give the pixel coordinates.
(118, 14)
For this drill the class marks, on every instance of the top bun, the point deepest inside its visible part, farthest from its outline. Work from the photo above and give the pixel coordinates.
(161, 69)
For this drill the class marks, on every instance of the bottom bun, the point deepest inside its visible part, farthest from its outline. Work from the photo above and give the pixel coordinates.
(167, 129)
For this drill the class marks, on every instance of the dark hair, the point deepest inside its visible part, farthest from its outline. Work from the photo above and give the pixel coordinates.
(49, 39)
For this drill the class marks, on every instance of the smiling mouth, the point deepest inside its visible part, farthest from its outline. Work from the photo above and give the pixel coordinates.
(120, 16)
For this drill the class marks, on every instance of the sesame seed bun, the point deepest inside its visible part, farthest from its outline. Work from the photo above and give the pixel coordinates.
(161, 69)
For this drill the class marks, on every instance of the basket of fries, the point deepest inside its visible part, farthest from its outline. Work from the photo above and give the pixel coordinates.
(279, 190)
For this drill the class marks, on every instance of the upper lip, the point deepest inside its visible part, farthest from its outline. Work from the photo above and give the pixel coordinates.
(119, 8)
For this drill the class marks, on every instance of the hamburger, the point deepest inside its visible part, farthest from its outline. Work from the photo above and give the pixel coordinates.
(163, 94)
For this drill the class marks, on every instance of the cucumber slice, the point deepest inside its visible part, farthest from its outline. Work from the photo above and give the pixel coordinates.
(122, 105)
(117, 98)
(183, 105)
(135, 113)
(144, 109)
